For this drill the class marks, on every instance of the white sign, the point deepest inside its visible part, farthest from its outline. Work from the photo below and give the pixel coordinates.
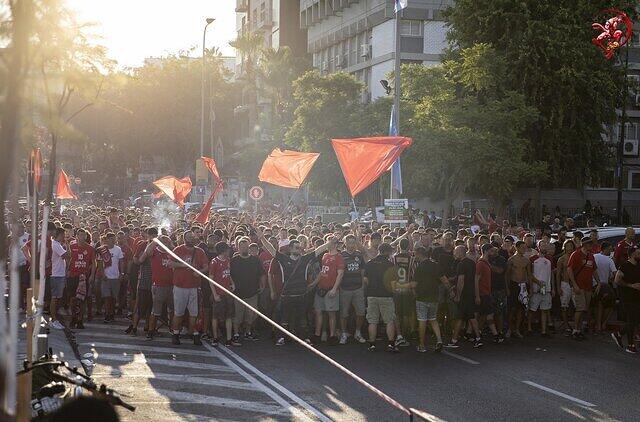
(396, 211)
(256, 193)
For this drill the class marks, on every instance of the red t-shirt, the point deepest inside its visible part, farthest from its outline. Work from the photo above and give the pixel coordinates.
(621, 254)
(128, 256)
(483, 269)
(584, 266)
(265, 257)
(161, 272)
(81, 258)
(331, 264)
(276, 275)
(185, 277)
(219, 271)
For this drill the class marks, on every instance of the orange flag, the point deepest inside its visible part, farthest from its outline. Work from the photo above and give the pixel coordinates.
(211, 165)
(63, 190)
(203, 216)
(363, 160)
(287, 168)
(174, 188)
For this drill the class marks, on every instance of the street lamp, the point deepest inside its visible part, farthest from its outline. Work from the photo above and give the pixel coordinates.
(204, 40)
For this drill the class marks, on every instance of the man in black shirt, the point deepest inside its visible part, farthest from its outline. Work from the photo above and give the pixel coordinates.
(447, 264)
(352, 289)
(249, 278)
(383, 278)
(498, 287)
(294, 278)
(426, 281)
(628, 278)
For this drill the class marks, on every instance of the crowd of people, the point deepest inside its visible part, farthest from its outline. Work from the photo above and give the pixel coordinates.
(325, 281)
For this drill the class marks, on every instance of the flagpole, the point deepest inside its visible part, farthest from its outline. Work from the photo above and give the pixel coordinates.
(396, 94)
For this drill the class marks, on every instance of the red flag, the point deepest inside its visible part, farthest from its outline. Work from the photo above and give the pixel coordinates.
(35, 170)
(174, 188)
(363, 160)
(211, 165)
(63, 190)
(287, 168)
(203, 216)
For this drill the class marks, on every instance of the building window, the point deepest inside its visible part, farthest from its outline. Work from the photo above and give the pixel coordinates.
(634, 180)
(631, 131)
(411, 28)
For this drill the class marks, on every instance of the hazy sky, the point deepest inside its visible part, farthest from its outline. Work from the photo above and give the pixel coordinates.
(135, 29)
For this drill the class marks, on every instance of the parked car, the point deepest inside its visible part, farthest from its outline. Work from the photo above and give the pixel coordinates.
(611, 234)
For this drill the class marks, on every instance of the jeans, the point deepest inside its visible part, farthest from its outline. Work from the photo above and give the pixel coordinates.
(293, 314)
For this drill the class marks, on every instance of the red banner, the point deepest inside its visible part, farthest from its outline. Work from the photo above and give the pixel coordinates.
(203, 216)
(363, 160)
(63, 190)
(174, 188)
(213, 168)
(286, 168)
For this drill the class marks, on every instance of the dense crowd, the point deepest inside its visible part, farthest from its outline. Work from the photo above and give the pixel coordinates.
(324, 281)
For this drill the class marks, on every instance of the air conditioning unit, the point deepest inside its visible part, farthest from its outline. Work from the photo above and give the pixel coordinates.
(365, 50)
(630, 148)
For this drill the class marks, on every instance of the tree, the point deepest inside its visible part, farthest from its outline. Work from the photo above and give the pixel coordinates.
(552, 64)
(249, 46)
(467, 132)
(326, 107)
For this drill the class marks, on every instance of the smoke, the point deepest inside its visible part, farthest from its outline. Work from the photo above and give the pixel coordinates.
(165, 214)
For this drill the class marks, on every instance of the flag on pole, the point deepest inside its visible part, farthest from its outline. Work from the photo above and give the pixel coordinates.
(287, 168)
(176, 189)
(396, 169)
(399, 5)
(63, 190)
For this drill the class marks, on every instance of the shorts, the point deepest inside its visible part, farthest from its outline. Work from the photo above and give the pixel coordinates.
(605, 296)
(185, 299)
(405, 303)
(466, 309)
(57, 287)
(581, 300)
(110, 287)
(380, 306)
(326, 303)
(565, 295)
(225, 309)
(161, 296)
(515, 300)
(352, 297)
(486, 306)
(499, 298)
(426, 311)
(72, 286)
(144, 303)
(243, 313)
(540, 301)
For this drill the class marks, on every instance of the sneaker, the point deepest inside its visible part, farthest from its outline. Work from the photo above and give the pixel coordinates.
(618, 339)
(498, 339)
(280, 341)
(204, 337)
(251, 336)
(184, 331)
(79, 325)
(149, 336)
(134, 332)
(57, 325)
(568, 332)
(517, 334)
(631, 349)
(196, 340)
(129, 329)
(358, 337)
(453, 344)
(392, 348)
(401, 342)
(315, 340)
(235, 341)
(477, 343)
(106, 320)
(469, 337)
(343, 338)
(215, 342)
(507, 334)
(228, 343)
(175, 339)
(372, 347)
(421, 349)
(438, 347)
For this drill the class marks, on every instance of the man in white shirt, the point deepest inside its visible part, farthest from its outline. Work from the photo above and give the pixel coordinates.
(113, 272)
(604, 295)
(541, 286)
(58, 275)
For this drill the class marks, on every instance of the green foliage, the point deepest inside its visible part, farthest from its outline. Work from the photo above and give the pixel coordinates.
(552, 64)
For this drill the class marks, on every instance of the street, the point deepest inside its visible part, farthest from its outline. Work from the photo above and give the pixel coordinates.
(532, 379)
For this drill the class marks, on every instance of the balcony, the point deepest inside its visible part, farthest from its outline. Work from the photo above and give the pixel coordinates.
(265, 22)
(242, 6)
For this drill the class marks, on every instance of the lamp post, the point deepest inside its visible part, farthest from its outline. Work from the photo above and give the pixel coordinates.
(204, 40)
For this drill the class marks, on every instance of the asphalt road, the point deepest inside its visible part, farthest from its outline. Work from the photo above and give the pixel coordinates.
(529, 379)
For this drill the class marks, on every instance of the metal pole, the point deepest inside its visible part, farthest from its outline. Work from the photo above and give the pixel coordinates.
(204, 40)
(396, 94)
(620, 151)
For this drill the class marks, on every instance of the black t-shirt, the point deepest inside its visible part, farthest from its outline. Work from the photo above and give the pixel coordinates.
(380, 272)
(427, 277)
(294, 273)
(447, 264)
(631, 275)
(497, 279)
(246, 273)
(353, 266)
(467, 268)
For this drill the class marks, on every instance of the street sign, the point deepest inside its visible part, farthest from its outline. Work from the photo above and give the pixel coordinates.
(256, 193)
(396, 211)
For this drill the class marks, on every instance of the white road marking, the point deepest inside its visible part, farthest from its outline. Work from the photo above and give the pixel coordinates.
(110, 327)
(131, 348)
(291, 409)
(123, 336)
(182, 378)
(321, 416)
(462, 358)
(559, 394)
(141, 358)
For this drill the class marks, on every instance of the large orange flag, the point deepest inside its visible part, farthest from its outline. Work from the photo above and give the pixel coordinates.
(63, 190)
(287, 168)
(211, 165)
(174, 188)
(363, 160)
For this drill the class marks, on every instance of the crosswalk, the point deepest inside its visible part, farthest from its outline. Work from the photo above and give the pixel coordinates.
(186, 382)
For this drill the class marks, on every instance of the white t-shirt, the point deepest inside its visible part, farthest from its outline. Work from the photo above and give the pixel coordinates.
(58, 265)
(605, 267)
(113, 271)
(541, 268)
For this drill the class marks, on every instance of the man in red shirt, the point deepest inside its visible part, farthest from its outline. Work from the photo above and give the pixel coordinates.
(327, 298)
(582, 271)
(483, 299)
(162, 278)
(81, 270)
(223, 304)
(185, 285)
(621, 255)
(127, 262)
